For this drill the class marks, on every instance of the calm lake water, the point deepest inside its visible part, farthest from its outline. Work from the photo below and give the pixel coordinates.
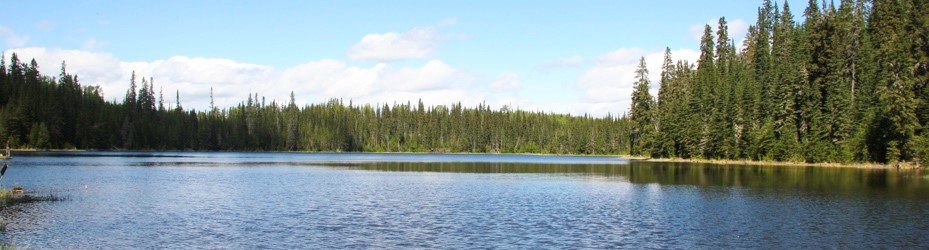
(297, 200)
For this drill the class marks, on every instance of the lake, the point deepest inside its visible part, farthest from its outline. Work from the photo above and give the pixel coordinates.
(320, 200)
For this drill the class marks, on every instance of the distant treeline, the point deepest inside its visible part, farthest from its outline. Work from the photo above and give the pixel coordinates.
(58, 112)
(849, 83)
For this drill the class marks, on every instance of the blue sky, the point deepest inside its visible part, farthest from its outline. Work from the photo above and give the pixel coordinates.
(570, 57)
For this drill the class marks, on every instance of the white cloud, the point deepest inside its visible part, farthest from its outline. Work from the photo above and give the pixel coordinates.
(392, 46)
(331, 78)
(737, 28)
(607, 86)
(435, 82)
(93, 44)
(506, 82)
(89, 66)
(11, 38)
(434, 75)
(621, 56)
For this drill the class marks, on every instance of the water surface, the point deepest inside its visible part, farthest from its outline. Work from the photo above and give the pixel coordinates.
(296, 200)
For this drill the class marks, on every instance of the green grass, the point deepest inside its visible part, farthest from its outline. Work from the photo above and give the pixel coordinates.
(5, 195)
(10, 197)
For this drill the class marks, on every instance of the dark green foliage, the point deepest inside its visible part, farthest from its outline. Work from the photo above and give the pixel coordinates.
(898, 81)
(666, 140)
(38, 136)
(642, 113)
(847, 84)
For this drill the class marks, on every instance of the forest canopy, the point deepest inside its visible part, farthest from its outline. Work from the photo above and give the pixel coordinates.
(849, 83)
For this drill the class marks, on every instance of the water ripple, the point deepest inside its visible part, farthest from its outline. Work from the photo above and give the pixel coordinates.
(273, 202)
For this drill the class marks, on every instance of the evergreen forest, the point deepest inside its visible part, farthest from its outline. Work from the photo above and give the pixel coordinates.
(848, 83)
(58, 112)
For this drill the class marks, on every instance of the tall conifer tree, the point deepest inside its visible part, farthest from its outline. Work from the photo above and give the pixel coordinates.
(642, 112)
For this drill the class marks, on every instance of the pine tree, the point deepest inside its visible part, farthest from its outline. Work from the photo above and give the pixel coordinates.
(130, 100)
(813, 117)
(723, 124)
(161, 100)
(918, 22)
(724, 50)
(292, 126)
(761, 59)
(641, 113)
(177, 99)
(705, 101)
(787, 82)
(898, 121)
(687, 137)
(144, 101)
(667, 125)
(864, 79)
(743, 104)
(4, 89)
(130, 107)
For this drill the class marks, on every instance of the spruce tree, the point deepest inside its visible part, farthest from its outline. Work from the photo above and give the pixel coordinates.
(706, 101)
(667, 126)
(898, 121)
(641, 112)
(787, 81)
(724, 124)
(919, 35)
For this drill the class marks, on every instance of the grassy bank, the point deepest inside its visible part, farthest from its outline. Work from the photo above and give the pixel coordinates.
(16, 195)
(872, 165)
(6, 195)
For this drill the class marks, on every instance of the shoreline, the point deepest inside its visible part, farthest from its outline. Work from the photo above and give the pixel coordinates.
(334, 152)
(861, 165)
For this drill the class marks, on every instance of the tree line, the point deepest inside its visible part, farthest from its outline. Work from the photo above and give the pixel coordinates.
(58, 112)
(847, 84)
